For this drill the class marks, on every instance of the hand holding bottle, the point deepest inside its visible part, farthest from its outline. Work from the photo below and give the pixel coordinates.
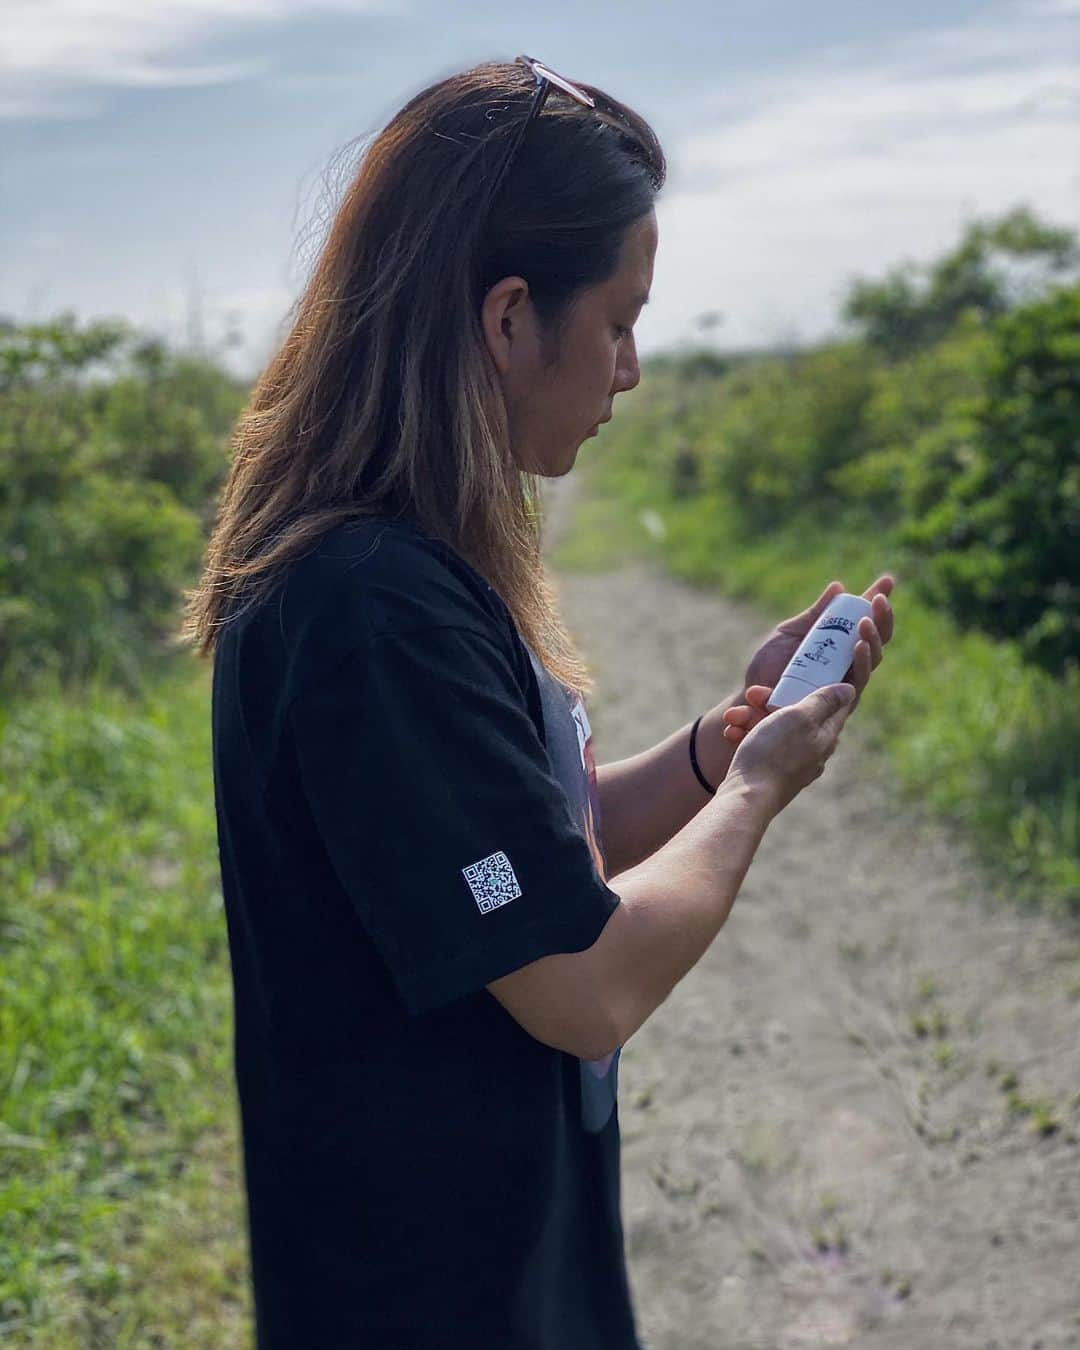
(788, 749)
(775, 656)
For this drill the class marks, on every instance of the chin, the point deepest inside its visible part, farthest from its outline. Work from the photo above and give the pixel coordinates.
(552, 467)
(556, 470)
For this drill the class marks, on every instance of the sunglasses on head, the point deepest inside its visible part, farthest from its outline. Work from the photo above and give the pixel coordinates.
(546, 80)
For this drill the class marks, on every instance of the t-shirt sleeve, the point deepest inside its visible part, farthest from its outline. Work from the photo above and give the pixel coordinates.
(435, 798)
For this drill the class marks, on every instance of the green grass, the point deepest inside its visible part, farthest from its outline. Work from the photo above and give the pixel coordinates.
(989, 743)
(121, 1219)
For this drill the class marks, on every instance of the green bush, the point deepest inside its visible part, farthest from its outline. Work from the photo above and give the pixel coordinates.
(112, 451)
(997, 265)
(995, 510)
(967, 453)
(787, 424)
(915, 435)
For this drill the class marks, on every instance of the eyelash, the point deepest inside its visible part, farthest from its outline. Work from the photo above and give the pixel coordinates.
(623, 332)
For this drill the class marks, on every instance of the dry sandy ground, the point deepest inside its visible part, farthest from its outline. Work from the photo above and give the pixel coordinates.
(828, 1133)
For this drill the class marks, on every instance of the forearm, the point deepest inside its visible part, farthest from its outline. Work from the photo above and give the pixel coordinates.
(675, 903)
(647, 799)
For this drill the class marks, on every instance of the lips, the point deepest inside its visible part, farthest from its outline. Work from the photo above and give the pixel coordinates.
(599, 424)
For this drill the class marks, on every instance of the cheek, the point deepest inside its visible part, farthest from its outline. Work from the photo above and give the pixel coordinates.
(604, 364)
(590, 374)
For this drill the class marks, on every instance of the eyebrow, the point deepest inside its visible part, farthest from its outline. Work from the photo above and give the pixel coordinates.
(642, 299)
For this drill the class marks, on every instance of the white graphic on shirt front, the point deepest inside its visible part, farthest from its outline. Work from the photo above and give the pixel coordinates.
(572, 759)
(599, 1077)
(492, 882)
(584, 731)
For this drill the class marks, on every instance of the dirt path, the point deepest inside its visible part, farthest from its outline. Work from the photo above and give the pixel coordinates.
(855, 1122)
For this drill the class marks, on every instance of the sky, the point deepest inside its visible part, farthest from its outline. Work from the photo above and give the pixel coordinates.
(173, 162)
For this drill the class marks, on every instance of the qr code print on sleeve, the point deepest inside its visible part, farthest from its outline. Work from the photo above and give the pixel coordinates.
(492, 882)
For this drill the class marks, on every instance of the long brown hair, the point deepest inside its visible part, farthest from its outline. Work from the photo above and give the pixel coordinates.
(384, 399)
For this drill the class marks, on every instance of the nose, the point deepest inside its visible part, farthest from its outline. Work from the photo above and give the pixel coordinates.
(627, 371)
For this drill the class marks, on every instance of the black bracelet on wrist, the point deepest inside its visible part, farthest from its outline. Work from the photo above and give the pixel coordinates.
(693, 760)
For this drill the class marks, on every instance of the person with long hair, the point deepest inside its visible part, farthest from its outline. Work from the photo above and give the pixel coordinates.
(433, 974)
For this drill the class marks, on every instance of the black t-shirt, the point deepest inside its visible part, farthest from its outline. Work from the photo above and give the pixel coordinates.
(407, 810)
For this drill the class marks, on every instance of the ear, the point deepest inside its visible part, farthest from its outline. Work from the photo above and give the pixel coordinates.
(502, 317)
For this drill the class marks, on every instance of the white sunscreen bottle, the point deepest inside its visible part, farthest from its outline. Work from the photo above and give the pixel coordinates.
(825, 653)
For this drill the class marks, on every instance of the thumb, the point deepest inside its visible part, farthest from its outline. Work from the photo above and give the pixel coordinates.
(831, 699)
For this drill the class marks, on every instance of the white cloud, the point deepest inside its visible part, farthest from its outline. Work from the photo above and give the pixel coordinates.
(808, 177)
(782, 187)
(54, 49)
